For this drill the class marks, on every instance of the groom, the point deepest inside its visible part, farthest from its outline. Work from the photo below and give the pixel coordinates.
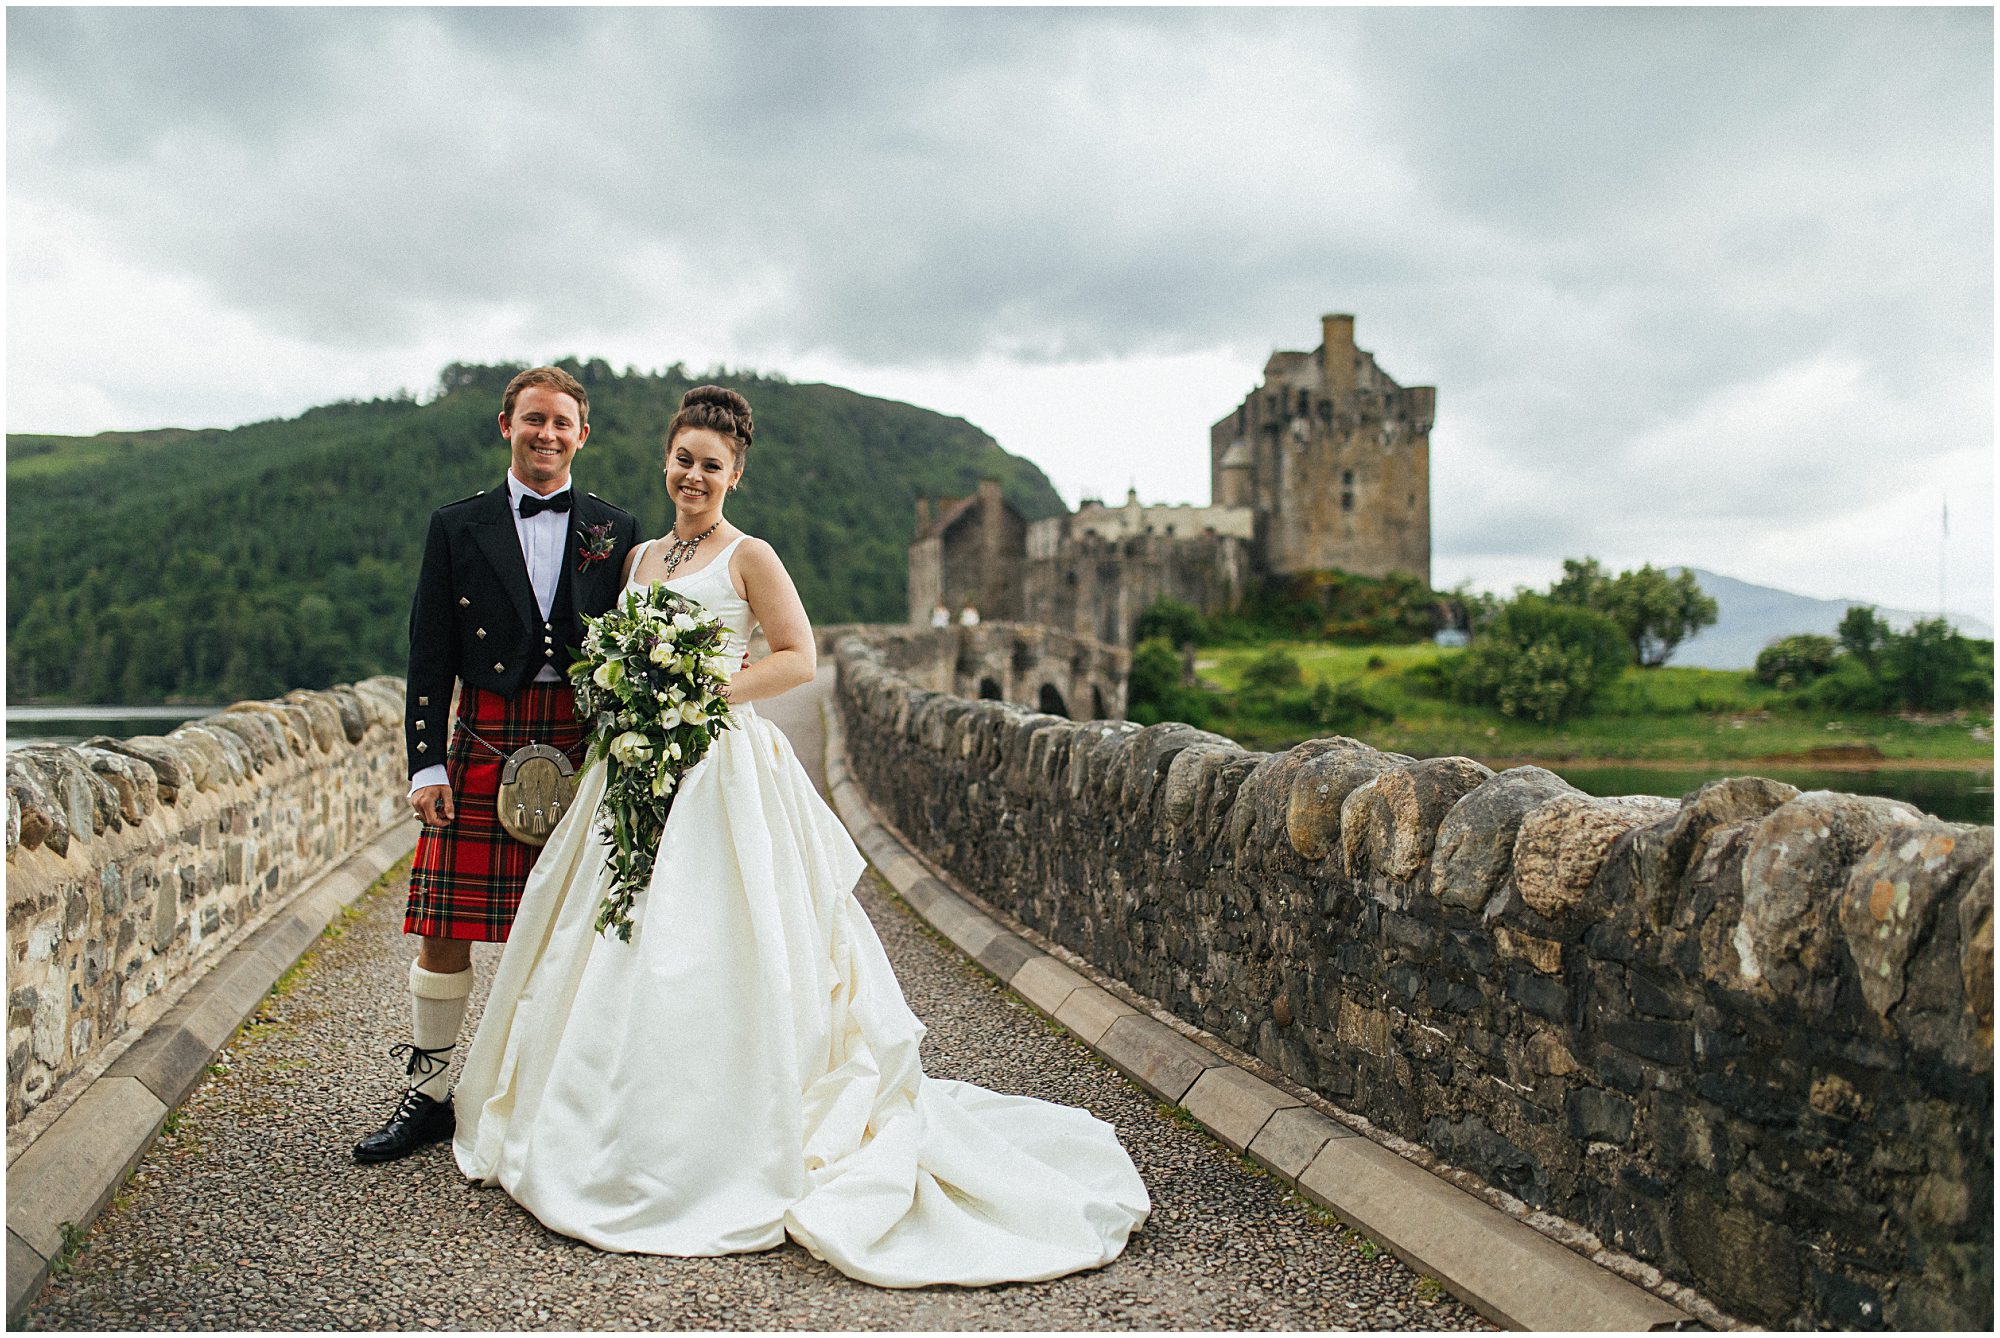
(508, 576)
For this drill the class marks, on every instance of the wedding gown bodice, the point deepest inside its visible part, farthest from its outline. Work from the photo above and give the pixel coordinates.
(712, 588)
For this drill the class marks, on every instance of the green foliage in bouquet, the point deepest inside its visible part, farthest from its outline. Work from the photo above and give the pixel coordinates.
(648, 687)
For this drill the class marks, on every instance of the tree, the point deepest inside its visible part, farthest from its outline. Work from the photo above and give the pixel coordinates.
(1656, 612)
(1153, 690)
(1933, 668)
(1862, 634)
(1472, 609)
(1179, 623)
(1583, 584)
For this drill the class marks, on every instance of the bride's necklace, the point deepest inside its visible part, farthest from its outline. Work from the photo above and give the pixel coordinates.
(679, 550)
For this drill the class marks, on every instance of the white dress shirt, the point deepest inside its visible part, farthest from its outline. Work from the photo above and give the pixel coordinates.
(543, 537)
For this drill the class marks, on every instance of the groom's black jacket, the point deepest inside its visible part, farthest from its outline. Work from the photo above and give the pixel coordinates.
(475, 617)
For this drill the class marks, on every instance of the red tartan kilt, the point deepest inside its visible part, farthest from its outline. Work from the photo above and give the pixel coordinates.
(467, 877)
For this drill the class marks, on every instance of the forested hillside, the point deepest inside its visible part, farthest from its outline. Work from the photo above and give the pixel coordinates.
(211, 565)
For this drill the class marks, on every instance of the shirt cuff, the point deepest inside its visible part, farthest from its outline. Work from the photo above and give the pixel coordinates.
(433, 774)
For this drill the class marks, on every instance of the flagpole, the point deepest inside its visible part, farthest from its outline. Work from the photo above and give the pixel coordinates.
(1944, 533)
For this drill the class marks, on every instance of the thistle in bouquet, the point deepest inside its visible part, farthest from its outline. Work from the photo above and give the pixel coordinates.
(649, 687)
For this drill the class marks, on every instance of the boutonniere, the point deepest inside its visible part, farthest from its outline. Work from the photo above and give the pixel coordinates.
(597, 546)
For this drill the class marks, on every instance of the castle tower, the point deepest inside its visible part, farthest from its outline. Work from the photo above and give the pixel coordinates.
(1333, 456)
(967, 551)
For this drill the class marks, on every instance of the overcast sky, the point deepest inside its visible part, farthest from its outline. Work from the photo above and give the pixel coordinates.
(1709, 287)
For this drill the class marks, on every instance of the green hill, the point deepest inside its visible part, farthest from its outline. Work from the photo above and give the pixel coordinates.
(211, 564)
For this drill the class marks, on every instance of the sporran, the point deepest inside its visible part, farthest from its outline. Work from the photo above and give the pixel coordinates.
(537, 784)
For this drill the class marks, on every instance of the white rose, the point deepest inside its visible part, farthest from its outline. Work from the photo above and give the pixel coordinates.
(608, 674)
(685, 623)
(661, 653)
(631, 748)
(674, 751)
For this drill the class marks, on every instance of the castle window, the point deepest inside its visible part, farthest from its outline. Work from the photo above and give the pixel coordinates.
(1305, 402)
(1347, 478)
(1347, 499)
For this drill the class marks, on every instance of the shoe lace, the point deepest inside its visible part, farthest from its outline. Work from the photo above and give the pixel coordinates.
(430, 1062)
(414, 1103)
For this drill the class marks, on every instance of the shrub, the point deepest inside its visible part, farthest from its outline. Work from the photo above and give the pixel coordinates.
(1434, 678)
(1793, 661)
(1153, 690)
(1343, 706)
(1154, 676)
(1273, 670)
(1539, 660)
(1178, 623)
(1846, 689)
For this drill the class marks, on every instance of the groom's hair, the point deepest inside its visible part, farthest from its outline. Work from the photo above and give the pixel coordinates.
(555, 378)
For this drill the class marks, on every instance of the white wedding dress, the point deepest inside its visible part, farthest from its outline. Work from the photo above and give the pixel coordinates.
(745, 1068)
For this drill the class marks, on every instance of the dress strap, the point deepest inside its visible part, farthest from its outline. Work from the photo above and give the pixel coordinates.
(638, 556)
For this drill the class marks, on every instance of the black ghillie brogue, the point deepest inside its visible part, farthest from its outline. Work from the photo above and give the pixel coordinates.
(420, 1120)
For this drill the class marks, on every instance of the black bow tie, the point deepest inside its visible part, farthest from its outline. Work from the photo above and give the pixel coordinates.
(532, 505)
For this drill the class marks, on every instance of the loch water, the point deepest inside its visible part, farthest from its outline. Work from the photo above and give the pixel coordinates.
(73, 724)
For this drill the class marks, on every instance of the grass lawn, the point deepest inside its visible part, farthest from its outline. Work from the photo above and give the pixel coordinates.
(1662, 715)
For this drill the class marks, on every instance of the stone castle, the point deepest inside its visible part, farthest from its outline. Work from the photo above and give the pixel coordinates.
(1324, 465)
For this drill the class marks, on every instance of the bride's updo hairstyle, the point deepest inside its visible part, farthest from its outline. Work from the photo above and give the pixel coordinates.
(718, 409)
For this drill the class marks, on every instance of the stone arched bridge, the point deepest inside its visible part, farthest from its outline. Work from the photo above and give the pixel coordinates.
(1041, 668)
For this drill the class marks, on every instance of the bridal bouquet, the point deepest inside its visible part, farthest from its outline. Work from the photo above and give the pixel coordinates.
(648, 687)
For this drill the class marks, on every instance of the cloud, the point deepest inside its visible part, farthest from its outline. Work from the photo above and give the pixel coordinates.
(1669, 269)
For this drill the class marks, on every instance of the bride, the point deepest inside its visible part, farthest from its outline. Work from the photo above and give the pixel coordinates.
(745, 1068)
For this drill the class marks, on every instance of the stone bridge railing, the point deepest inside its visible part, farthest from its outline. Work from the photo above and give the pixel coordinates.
(132, 864)
(1744, 1037)
(1047, 670)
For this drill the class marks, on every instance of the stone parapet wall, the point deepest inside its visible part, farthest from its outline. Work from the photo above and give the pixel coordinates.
(1744, 1037)
(132, 863)
(1002, 661)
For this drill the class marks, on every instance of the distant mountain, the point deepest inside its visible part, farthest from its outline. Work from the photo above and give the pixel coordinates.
(1751, 616)
(210, 564)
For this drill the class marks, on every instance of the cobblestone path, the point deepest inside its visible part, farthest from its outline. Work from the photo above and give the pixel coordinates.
(250, 1214)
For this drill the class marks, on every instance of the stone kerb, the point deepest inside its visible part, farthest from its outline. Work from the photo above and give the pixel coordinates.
(1743, 1039)
(132, 863)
